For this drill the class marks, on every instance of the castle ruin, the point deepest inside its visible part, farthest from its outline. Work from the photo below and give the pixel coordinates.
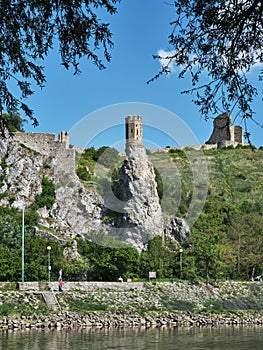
(63, 156)
(224, 133)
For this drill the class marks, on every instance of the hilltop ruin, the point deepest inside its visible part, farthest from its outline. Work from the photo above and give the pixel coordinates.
(225, 133)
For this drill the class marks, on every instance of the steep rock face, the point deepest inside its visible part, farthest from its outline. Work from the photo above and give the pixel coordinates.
(3, 145)
(78, 211)
(140, 216)
(20, 171)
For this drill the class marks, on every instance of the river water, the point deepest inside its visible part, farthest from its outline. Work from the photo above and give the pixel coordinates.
(232, 338)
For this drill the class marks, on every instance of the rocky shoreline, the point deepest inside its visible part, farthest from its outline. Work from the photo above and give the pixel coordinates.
(108, 320)
(132, 305)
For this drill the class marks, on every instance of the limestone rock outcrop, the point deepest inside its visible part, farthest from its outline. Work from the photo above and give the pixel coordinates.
(20, 170)
(72, 252)
(76, 211)
(176, 228)
(140, 215)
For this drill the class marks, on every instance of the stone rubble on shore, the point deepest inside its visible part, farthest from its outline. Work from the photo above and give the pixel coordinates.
(69, 320)
(132, 304)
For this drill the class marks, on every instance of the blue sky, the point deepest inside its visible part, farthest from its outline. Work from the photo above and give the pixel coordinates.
(140, 29)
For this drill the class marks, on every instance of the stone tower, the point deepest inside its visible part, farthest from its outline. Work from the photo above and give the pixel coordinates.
(64, 137)
(133, 129)
(224, 133)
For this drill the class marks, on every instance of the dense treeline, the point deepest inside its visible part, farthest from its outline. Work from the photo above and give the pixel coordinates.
(226, 240)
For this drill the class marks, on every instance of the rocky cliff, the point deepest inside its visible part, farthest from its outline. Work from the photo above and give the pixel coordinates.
(140, 215)
(78, 211)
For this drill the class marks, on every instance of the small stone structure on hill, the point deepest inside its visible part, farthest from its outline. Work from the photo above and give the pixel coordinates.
(224, 133)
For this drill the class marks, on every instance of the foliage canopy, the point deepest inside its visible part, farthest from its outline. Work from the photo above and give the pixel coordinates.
(30, 29)
(12, 122)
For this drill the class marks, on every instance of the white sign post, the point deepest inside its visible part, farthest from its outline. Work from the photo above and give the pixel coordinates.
(152, 275)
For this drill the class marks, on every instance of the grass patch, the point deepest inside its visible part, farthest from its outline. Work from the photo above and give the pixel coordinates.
(179, 305)
(233, 304)
(23, 306)
(82, 305)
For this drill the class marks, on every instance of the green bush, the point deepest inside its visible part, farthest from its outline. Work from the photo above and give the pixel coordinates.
(47, 196)
(83, 173)
(105, 156)
(31, 217)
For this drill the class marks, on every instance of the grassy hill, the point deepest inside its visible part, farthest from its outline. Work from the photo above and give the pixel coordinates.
(229, 229)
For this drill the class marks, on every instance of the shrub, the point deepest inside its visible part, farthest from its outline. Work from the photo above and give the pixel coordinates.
(47, 196)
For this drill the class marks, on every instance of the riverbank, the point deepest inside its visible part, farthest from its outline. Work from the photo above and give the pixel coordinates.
(119, 305)
(114, 320)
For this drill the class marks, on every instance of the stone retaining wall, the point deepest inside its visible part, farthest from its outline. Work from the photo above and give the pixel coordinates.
(81, 286)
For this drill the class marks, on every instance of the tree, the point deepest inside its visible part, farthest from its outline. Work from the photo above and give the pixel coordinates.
(246, 237)
(207, 238)
(223, 39)
(29, 30)
(161, 257)
(12, 122)
(47, 196)
(109, 259)
(107, 156)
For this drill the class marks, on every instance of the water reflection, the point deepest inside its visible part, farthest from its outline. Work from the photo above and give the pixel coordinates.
(234, 338)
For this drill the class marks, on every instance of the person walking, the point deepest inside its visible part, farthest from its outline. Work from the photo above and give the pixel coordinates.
(60, 282)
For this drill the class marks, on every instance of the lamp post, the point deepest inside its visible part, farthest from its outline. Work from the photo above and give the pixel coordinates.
(23, 241)
(181, 262)
(49, 266)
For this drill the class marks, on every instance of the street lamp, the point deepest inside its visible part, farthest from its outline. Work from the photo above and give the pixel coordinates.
(23, 239)
(181, 262)
(49, 266)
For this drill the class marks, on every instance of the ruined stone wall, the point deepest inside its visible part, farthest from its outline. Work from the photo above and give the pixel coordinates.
(62, 157)
(182, 148)
(64, 161)
(221, 130)
(224, 132)
(238, 134)
(39, 142)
